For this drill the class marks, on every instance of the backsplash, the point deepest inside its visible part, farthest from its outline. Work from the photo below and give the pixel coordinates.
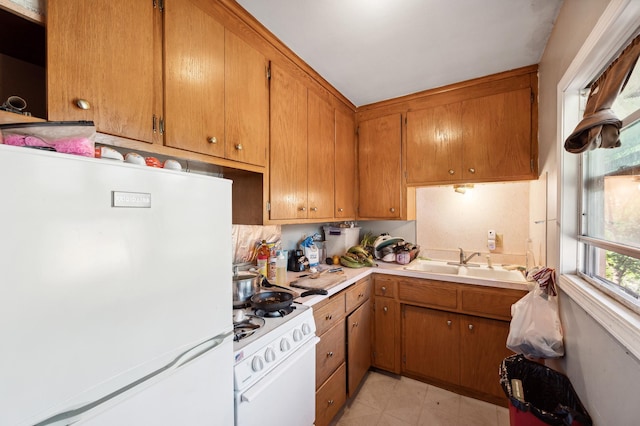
(447, 220)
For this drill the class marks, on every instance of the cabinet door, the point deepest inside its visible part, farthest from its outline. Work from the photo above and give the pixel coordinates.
(194, 79)
(385, 335)
(246, 102)
(497, 135)
(482, 349)
(380, 167)
(345, 166)
(321, 137)
(359, 345)
(288, 147)
(430, 343)
(102, 52)
(434, 144)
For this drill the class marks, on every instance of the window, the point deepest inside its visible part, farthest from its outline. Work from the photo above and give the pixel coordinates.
(610, 228)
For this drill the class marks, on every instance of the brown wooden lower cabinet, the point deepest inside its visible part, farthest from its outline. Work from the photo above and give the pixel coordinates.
(331, 396)
(450, 334)
(359, 345)
(330, 352)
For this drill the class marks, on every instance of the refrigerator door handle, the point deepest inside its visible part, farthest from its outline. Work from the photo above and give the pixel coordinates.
(72, 415)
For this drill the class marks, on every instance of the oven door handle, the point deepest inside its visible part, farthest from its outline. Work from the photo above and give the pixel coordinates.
(254, 391)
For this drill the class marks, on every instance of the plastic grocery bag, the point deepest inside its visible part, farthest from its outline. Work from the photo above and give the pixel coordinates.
(535, 329)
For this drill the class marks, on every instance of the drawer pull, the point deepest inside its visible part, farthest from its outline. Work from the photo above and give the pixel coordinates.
(340, 209)
(329, 354)
(385, 309)
(451, 171)
(212, 139)
(330, 402)
(355, 324)
(472, 170)
(384, 289)
(329, 317)
(361, 295)
(449, 323)
(83, 104)
(239, 146)
(470, 326)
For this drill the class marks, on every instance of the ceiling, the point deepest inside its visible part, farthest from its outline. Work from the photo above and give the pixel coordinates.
(372, 50)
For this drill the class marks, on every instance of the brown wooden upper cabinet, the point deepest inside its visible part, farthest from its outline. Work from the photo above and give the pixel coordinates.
(207, 92)
(302, 123)
(216, 88)
(345, 166)
(479, 133)
(380, 167)
(100, 65)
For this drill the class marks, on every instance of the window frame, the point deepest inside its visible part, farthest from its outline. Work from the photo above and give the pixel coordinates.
(614, 29)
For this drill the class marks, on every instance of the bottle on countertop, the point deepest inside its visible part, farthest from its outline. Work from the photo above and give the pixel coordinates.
(263, 258)
(281, 267)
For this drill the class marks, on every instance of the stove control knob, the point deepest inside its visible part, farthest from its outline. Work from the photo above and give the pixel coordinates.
(297, 335)
(257, 363)
(306, 329)
(269, 355)
(285, 345)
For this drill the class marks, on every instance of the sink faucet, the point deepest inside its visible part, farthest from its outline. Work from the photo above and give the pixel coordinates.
(463, 260)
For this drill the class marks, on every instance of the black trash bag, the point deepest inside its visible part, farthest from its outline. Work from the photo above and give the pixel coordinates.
(548, 395)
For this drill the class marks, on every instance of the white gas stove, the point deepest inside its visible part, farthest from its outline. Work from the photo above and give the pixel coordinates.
(275, 362)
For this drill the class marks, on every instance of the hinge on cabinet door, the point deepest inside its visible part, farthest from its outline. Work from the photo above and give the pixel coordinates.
(358, 130)
(533, 98)
(404, 359)
(158, 4)
(154, 123)
(531, 164)
(268, 206)
(162, 126)
(268, 73)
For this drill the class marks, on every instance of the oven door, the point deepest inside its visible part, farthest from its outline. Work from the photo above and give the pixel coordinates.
(284, 396)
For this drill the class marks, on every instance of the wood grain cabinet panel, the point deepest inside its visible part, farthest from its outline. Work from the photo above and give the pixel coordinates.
(83, 40)
(246, 102)
(331, 396)
(385, 286)
(194, 79)
(358, 325)
(358, 294)
(330, 352)
(345, 166)
(430, 342)
(380, 167)
(429, 292)
(328, 315)
(386, 334)
(482, 348)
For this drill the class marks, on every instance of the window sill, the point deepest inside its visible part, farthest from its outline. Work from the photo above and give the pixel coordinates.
(619, 321)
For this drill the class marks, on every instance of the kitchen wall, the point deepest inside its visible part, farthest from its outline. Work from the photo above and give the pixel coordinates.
(447, 220)
(603, 373)
(37, 6)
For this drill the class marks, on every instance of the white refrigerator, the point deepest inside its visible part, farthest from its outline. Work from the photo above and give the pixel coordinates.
(115, 293)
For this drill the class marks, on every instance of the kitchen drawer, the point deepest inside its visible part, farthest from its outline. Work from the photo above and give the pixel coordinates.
(331, 396)
(428, 292)
(329, 314)
(358, 294)
(385, 286)
(491, 302)
(330, 352)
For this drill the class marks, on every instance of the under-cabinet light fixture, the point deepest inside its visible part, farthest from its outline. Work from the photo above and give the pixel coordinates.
(462, 189)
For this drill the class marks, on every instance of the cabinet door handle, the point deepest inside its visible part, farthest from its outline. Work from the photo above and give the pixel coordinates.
(385, 309)
(361, 295)
(83, 104)
(472, 170)
(449, 323)
(340, 209)
(239, 146)
(355, 324)
(314, 209)
(328, 317)
(451, 171)
(392, 210)
(330, 402)
(329, 354)
(212, 139)
(302, 209)
(470, 326)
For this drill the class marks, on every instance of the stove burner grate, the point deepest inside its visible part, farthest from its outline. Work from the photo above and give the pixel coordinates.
(274, 314)
(246, 327)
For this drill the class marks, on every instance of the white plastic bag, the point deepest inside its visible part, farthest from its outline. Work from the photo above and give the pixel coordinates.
(535, 329)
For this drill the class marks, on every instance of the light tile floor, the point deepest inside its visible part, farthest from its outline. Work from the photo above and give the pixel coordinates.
(389, 401)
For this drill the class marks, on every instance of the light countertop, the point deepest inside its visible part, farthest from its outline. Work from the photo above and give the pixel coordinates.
(353, 275)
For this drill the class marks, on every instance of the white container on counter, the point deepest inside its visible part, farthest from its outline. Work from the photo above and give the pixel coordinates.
(338, 240)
